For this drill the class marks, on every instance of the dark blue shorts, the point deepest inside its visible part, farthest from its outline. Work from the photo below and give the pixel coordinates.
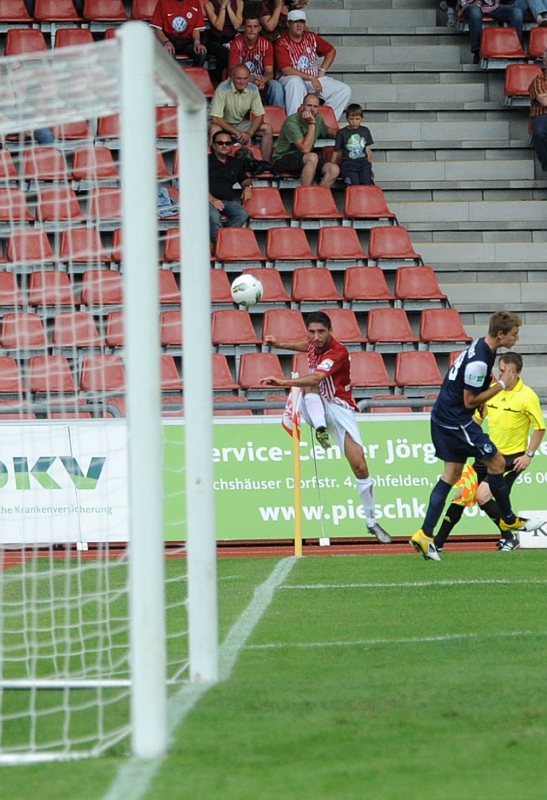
(509, 473)
(463, 443)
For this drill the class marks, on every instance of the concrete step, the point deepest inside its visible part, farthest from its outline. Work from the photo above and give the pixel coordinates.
(526, 215)
(452, 171)
(352, 20)
(525, 297)
(532, 336)
(391, 55)
(376, 96)
(494, 253)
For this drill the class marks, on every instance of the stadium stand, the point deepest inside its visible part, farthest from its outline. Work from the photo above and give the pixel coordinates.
(366, 207)
(440, 329)
(314, 289)
(389, 331)
(266, 209)
(500, 47)
(288, 248)
(369, 374)
(314, 207)
(366, 288)
(416, 373)
(518, 78)
(338, 247)
(417, 288)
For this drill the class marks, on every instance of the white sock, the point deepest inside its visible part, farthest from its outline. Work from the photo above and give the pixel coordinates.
(315, 409)
(365, 487)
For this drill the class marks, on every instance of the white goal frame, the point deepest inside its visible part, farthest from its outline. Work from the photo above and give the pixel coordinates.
(146, 71)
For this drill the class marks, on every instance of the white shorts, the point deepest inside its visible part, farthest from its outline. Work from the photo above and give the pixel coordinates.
(340, 420)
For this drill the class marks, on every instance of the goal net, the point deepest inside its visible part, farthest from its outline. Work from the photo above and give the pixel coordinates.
(107, 549)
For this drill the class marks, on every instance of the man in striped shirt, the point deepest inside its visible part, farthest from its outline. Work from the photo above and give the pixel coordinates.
(538, 114)
(296, 54)
(256, 52)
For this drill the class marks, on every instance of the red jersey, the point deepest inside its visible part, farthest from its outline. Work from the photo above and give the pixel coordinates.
(178, 17)
(257, 58)
(335, 363)
(301, 55)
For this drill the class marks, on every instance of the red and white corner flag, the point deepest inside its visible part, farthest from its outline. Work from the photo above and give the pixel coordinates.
(291, 413)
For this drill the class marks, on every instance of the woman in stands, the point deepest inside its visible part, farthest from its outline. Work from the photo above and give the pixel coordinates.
(225, 18)
(273, 16)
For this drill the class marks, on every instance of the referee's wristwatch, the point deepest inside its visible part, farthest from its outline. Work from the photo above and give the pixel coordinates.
(530, 453)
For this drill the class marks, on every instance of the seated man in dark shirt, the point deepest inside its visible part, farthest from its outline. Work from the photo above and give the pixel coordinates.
(224, 172)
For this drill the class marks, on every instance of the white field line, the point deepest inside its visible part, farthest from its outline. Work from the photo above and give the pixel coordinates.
(447, 637)
(416, 584)
(134, 778)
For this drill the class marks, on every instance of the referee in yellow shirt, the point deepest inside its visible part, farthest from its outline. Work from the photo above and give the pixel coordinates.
(511, 414)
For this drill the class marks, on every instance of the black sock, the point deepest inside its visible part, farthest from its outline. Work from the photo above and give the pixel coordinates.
(492, 510)
(500, 490)
(450, 520)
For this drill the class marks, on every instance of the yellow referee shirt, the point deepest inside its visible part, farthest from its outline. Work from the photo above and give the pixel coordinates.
(510, 415)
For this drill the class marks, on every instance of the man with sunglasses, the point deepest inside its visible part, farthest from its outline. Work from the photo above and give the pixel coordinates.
(225, 208)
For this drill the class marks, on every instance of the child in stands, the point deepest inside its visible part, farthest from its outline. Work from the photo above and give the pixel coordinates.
(354, 142)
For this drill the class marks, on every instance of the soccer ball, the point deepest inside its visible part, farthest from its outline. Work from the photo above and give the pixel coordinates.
(247, 290)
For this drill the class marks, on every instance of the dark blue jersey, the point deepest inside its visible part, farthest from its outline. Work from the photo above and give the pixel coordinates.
(472, 371)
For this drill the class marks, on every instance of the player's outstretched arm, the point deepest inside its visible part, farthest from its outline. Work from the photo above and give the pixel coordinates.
(300, 346)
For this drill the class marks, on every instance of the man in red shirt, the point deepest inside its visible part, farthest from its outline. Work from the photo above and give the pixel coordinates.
(256, 52)
(538, 114)
(296, 55)
(178, 25)
(328, 405)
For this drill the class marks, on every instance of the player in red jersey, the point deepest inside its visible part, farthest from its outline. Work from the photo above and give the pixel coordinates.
(178, 25)
(256, 52)
(328, 405)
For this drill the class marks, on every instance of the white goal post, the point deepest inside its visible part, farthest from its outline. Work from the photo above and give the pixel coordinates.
(91, 639)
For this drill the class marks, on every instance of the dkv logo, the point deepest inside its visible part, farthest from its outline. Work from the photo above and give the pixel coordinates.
(39, 471)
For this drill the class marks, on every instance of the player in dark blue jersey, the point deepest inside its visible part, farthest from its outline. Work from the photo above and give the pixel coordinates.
(457, 437)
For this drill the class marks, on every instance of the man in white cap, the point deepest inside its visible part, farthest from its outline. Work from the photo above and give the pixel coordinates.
(296, 54)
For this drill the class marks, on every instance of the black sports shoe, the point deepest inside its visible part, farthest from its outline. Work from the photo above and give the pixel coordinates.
(322, 436)
(507, 545)
(476, 58)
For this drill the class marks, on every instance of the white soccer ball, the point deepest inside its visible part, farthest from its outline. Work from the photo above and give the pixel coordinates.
(247, 290)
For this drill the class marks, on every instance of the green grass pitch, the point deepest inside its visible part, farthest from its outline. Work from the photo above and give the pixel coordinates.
(383, 677)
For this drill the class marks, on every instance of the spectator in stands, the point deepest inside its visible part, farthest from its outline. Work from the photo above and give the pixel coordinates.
(294, 152)
(257, 53)
(225, 18)
(538, 114)
(178, 25)
(354, 142)
(225, 210)
(296, 55)
(473, 11)
(537, 8)
(273, 16)
(231, 106)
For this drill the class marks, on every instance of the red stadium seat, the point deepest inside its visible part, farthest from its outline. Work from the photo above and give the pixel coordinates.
(275, 116)
(101, 289)
(518, 78)
(284, 323)
(314, 207)
(75, 330)
(233, 327)
(72, 131)
(366, 288)
(313, 288)
(23, 332)
(266, 208)
(200, 76)
(14, 11)
(417, 288)
(453, 356)
(8, 171)
(104, 11)
(82, 248)
(441, 329)
(389, 331)
(44, 164)
(366, 206)
(327, 112)
(27, 246)
(50, 375)
(391, 409)
(169, 292)
(255, 366)
(417, 373)
(171, 331)
(114, 336)
(24, 40)
(13, 206)
(51, 288)
(108, 130)
(166, 122)
(10, 296)
(102, 373)
(170, 378)
(220, 289)
(218, 411)
(338, 245)
(105, 206)
(500, 46)
(55, 11)
(391, 244)
(537, 44)
(58, 204)
(11, 384)
(143, 9)
(300, 364)
(345, 327)
(93, 163)
(288, 248)
(73, 37)
(222, 377)
(368, 374)
(274, 291)
(236, 245)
